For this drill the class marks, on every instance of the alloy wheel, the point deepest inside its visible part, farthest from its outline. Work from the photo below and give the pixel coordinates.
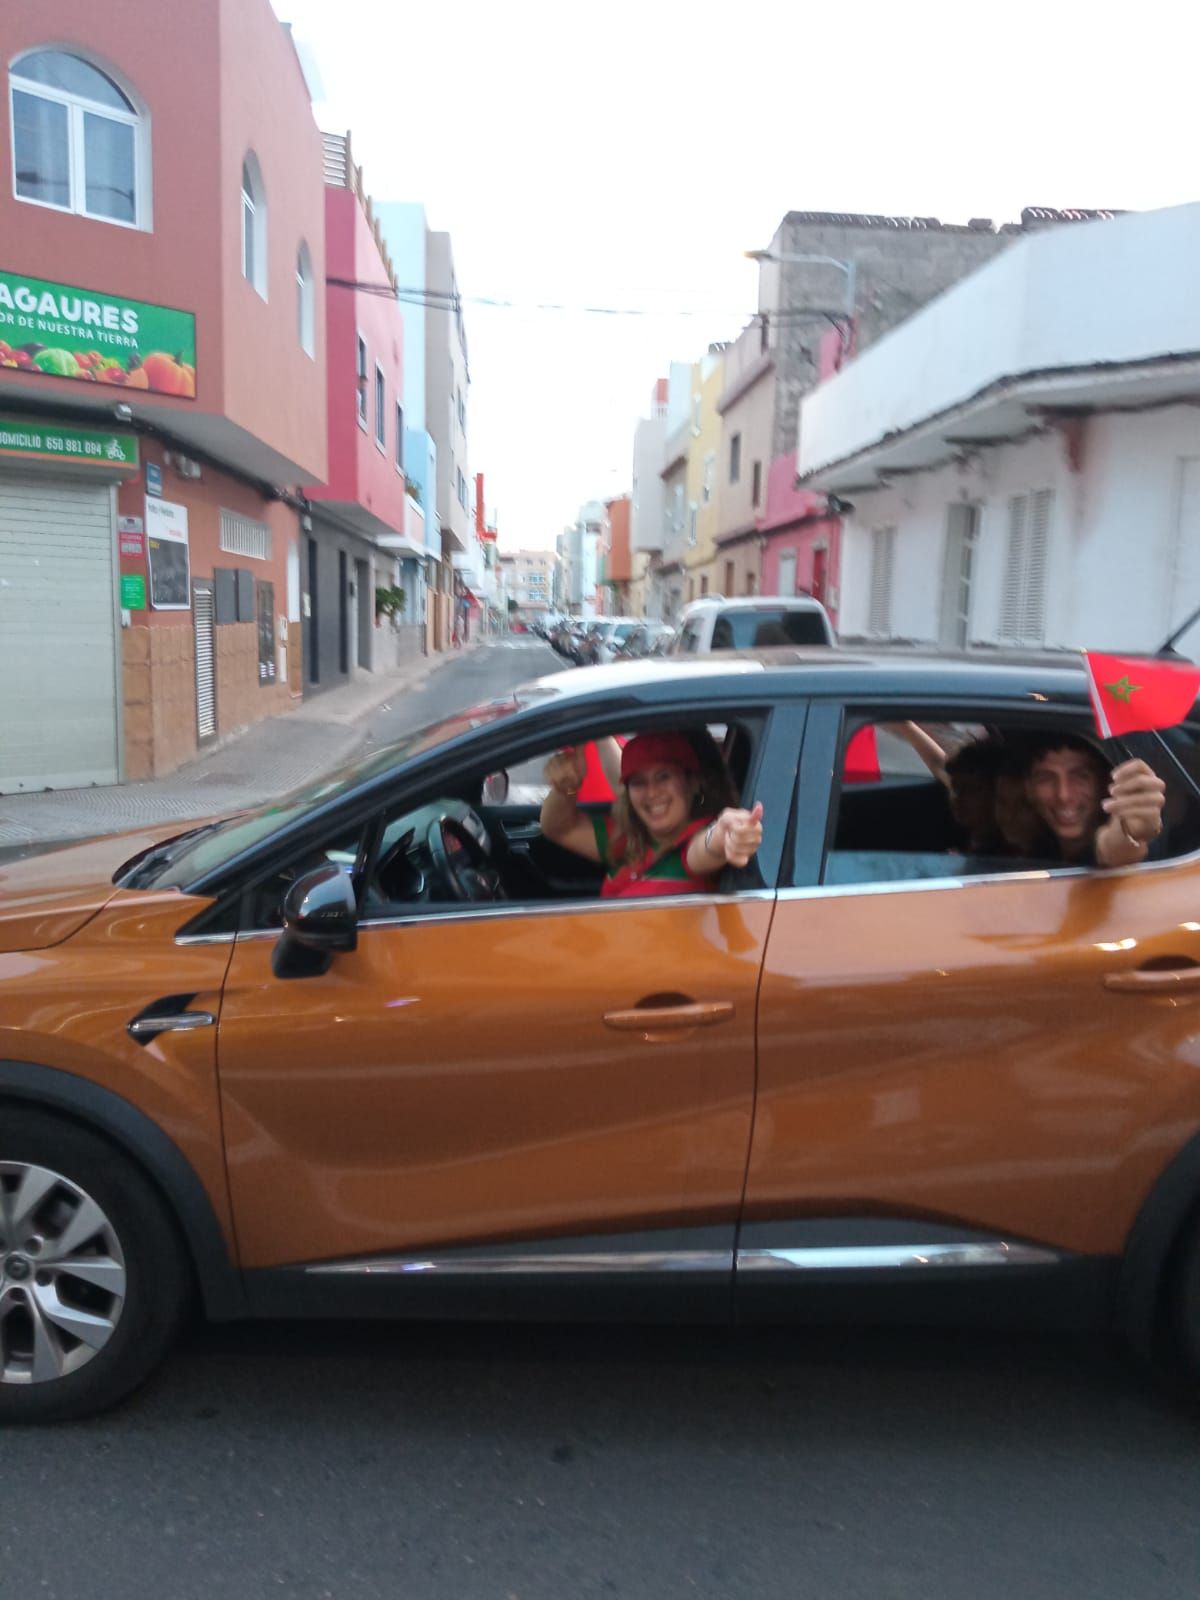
(62, 1275)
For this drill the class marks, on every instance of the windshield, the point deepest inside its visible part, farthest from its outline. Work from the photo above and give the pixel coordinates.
(196, 854)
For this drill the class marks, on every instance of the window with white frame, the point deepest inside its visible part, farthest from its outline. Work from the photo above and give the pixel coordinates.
(304, 301)
(399, 437)
(360, 372)
(693, 518)
(1023, 597)
(710, 472)
(677, 526)
(254, 225)
(380, 407)
(242, 536)
(879, 601)
(78, 141)
(735, 458)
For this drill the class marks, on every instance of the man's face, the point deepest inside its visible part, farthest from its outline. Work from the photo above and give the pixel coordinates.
(1065, 791)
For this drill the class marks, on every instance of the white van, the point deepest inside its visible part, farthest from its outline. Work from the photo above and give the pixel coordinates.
(751, 623)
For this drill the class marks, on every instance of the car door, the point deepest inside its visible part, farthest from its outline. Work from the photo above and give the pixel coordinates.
(1000, 1064)
(568, 1083)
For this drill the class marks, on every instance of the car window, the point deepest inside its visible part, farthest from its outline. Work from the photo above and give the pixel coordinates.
(424, 842)
(689, 638)
(937, 799)
(752, 630)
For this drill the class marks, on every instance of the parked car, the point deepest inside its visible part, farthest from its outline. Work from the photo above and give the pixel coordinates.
(643, 640)
(283, 1061)
(611, 635)
(747, 624)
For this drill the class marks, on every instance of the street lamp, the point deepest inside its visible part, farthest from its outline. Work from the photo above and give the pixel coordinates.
(843, 320)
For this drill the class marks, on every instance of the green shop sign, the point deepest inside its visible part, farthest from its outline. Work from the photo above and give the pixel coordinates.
(58, 441)
(67, 332)
(133, 591)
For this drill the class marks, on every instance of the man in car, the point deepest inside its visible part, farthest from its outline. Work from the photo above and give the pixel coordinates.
(1095, 817)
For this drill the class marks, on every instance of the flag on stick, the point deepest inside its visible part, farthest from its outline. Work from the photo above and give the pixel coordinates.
(1132, 696)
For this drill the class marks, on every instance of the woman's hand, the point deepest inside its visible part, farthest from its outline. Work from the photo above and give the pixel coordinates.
(565, 772)
(735, 835)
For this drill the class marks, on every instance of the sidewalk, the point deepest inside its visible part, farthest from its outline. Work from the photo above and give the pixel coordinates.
(262, 761)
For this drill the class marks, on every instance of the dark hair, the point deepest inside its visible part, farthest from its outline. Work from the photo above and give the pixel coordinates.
(978, 758)
(1044, 744)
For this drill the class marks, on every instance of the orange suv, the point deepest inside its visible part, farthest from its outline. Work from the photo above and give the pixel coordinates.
(381, 1047)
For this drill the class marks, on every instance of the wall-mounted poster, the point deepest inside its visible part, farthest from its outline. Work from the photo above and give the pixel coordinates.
(266, 632)
(167, 554)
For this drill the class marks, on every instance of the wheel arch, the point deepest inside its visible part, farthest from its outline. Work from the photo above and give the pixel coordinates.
(1156, 1232)
(99, 1110)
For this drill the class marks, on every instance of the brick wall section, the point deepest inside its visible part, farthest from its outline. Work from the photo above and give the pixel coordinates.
(899, 269)
(159, 700)
(241, 699)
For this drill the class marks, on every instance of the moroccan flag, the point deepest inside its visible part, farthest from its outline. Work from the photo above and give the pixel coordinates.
(1133, 696)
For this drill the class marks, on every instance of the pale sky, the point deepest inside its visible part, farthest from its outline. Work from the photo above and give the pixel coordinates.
(627, 154)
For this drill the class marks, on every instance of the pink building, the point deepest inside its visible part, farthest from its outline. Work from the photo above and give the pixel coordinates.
(801, 549)
(160, 243)
(357, 532)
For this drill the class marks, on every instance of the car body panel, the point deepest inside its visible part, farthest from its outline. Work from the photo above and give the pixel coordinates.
(69, 1008)
(48, 895)
(453, 1080)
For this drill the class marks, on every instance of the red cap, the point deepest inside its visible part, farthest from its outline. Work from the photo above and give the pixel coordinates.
(657, 750)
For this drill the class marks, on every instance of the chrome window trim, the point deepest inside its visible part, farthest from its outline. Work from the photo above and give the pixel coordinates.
(1038, 875)
(509, 908)
(533, 1263)
(886, 1257)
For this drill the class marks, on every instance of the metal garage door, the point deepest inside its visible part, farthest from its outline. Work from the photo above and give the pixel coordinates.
(58, 634)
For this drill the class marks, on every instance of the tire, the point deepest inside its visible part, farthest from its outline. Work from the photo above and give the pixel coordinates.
(94, 1278)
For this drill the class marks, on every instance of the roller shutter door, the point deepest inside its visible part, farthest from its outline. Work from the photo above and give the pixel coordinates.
(58, 634)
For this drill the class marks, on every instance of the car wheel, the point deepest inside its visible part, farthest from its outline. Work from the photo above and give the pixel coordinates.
(93, 1276)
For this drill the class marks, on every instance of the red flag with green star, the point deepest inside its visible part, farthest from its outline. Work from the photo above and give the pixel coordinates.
(1133, 696)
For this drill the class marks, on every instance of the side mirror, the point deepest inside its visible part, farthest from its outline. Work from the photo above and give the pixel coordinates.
(495, 789)
(320, 918)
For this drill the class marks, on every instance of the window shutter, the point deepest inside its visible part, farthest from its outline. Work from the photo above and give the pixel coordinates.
(1033, 619)
(879, 608)
(1012, 596)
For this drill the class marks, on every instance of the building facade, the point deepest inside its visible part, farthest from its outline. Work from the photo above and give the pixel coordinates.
(405, 233)
(617, 575)
(703, 478)
(529, 581)
(447, 386)
(682, 384)
(160, 411)
(1021, 462)
(646, 520)
(356, 528)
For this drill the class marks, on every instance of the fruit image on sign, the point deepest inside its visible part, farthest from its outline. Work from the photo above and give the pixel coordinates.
(73, 333)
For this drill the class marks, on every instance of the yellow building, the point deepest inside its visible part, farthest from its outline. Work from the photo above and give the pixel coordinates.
(704, 448)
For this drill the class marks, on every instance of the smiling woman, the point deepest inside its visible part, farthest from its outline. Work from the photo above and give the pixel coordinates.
(674, 827)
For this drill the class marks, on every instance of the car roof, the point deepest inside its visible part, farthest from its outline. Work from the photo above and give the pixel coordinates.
(753, 602)
(1020, 676)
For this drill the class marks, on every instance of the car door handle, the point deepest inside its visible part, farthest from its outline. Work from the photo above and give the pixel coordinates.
(1161, 980)
(655, 1019)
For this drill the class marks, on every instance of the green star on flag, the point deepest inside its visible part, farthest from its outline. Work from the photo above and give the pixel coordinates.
(1166, 692)
(1123, 689)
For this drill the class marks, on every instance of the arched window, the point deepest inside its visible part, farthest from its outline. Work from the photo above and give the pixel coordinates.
(304, 300)
(79, 143)
(254, 225)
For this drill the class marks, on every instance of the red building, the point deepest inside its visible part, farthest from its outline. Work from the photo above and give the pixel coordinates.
(618, 558)
(162, 382)
(802, 542)
(356, 531)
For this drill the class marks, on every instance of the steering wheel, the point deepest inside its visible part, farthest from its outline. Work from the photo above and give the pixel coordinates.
(459, 862)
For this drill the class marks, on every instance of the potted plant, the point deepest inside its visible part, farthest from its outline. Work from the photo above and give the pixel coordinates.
(389, 604)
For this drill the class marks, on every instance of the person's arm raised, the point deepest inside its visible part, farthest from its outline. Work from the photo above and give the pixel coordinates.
(729, 841)
(561, 820)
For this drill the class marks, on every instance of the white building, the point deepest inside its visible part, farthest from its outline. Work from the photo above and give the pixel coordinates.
(1022, 457)
(579, 548)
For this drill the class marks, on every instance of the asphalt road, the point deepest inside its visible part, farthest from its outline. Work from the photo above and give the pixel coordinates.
(355, 1461)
